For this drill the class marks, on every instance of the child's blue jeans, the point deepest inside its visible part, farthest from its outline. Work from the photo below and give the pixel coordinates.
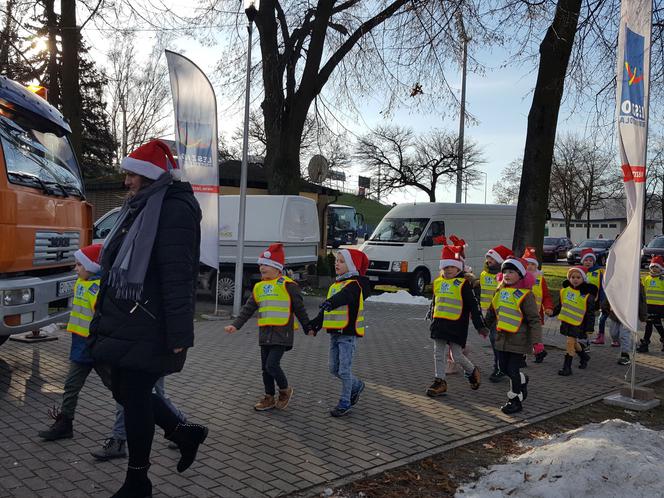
(342, 348)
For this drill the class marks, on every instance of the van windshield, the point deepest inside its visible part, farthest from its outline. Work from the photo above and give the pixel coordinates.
(400, 229)
(39, 159)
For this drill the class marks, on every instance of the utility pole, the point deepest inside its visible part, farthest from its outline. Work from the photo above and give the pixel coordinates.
(462, 113)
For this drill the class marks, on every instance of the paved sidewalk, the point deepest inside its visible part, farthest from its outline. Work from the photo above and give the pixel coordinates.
(274, 453)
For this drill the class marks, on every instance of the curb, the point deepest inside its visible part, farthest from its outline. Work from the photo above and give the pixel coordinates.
(314, 491)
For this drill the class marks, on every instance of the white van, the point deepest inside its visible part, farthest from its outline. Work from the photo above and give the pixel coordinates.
(405, 251)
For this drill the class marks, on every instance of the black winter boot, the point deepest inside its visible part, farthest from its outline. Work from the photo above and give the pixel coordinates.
(643, 347)
(584, 358)
(136, 485)
(188, 438)
(567, 366)
(62, 428)
(496, 375)
(513, 405)
(539, 357)
(524, 385)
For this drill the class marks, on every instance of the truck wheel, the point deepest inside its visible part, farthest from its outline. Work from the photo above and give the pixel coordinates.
(226, 287)
(419, 282)
(3, 339)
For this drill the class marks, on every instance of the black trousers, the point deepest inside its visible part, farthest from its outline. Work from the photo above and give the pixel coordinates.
(271, 365)
(142, 409)
(509, 364)
(655, 321)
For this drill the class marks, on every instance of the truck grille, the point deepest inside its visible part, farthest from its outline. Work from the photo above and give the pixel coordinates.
(52, 248)
(379, 265)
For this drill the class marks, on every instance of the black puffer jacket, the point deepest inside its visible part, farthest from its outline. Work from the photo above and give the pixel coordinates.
(124, 335)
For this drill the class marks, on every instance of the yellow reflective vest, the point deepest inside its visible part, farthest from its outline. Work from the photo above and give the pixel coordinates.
(537, 291)
(488, 285)
(274, 302)
(448, 303)
(83, 306)
(339, 318)
(654, 290)
(573, 306)
(507, 303)
(595, 278)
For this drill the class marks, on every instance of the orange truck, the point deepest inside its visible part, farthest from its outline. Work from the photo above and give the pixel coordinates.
(44, 217)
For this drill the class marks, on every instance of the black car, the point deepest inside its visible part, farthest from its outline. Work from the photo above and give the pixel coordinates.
(555, 248)
(599, 246)
(654, 248)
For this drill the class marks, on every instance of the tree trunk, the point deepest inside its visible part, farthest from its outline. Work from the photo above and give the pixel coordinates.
(282, 159)
(52, 82)
(568, 230)
(71, 94)
(432, 195)
(555, 52)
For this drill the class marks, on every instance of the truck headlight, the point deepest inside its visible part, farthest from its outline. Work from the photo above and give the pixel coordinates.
(400, 266)
(569, 254)
(14, 297)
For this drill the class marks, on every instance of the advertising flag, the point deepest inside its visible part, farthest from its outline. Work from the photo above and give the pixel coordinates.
(622, 279)
(195, 108)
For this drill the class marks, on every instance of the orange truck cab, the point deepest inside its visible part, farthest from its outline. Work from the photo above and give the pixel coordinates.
(44, 217)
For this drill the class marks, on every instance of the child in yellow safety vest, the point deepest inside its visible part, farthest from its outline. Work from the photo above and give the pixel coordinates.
(542, 296)
(342, 315)
(575, 311)
(595, 276)
(86, 290)
(515, 316)
(453, 303)
(654, 288)
(278, 301)
(485, 288)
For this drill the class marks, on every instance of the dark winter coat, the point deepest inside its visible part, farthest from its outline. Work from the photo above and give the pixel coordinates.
(142, 336)
(456, 331)
(273, 335)
(350, 296)
(529, 333)
(588, 324)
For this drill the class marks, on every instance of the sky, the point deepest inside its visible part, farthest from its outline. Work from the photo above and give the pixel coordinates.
(499, 99)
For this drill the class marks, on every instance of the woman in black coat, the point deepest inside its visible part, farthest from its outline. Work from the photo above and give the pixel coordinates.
(143, 323)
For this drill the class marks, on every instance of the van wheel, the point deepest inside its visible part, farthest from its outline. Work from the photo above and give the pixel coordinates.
(226, 290)
(419, 282)
(3, 339)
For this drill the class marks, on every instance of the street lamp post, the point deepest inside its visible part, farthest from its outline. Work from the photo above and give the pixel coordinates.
(250, 9)
(486, 176)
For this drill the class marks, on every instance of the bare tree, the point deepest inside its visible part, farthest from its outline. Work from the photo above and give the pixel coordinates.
(506, 189)
(396, 158)
(139, 94)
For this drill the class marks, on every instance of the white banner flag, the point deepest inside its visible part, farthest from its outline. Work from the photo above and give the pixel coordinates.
(195, 108)
(621, 282)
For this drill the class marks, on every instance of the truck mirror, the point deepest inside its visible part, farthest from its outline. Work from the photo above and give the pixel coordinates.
(427, 241)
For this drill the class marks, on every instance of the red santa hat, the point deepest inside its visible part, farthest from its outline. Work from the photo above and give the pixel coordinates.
(151, 160)
(657, 261)
(580, 269)
(516, 264)
(88, 257)
(461, 244)
(452, 256)
(273, 256)
(356, 261)
(588, 253)
(530, 255)
(499, 253)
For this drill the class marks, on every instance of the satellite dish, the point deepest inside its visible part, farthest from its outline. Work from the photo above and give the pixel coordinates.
(318, 168)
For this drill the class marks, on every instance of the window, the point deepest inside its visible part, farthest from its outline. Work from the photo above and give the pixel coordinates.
(605, 225)
(612, 225)
(595, 225)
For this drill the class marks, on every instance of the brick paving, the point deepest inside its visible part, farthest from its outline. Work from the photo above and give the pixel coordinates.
(250, 454)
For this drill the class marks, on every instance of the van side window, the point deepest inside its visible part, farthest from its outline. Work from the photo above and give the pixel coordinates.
(437, 232)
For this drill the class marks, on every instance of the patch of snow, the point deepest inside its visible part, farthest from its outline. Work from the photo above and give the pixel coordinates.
(399, 297)
(613, 459)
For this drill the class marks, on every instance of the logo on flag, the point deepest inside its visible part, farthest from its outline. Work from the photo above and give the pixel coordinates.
(632, 109)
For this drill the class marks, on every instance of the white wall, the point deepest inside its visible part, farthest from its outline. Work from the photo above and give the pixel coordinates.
(608, 229)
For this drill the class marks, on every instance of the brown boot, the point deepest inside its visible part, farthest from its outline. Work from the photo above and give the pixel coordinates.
(267, 403)
(474, 379)
(438, 387)
(285, 396)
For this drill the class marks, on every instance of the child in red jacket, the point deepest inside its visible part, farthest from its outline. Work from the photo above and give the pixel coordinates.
(542, 296)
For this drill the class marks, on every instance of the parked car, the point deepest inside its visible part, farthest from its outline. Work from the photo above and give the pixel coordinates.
(599, 246)
(654, 248)
(555, 248)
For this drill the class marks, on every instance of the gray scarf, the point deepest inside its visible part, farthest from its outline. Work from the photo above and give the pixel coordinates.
(128, 271)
